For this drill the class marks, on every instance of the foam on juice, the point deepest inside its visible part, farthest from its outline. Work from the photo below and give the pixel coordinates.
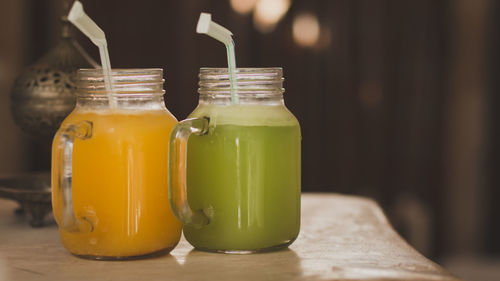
(246, 115)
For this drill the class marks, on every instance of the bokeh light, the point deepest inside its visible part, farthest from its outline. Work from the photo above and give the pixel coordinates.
(243, 6)
(306, 30)
(268, 13)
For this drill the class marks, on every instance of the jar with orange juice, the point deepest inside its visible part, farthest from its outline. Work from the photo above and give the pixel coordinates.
(109, 168)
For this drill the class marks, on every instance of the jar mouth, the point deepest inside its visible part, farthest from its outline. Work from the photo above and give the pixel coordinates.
(126, 81)
(254, 81)
(276, 70)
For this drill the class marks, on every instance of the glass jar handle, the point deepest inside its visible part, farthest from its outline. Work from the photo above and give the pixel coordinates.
(63, 177)
(177, 164)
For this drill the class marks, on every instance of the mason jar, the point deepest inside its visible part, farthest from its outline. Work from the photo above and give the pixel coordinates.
(235, 167)
(109, 168)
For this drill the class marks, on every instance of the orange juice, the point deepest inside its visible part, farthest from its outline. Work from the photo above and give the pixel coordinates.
(119, 184)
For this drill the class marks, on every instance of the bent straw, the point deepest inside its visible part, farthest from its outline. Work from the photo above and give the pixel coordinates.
(220, 33)
(87, 26)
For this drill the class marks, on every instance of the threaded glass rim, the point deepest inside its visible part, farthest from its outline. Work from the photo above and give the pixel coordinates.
(249, 81)
(129, 82)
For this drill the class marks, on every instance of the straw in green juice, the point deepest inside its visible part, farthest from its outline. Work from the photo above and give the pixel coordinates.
(220, 33)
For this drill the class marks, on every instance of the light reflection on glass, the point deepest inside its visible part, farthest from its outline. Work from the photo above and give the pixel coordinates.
(268, 13)
(306, 30)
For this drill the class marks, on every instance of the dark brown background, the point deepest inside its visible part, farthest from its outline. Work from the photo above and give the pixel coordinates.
(399, 106)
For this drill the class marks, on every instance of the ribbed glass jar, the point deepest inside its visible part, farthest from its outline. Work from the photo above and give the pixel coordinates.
(109, 168)
(242, 179)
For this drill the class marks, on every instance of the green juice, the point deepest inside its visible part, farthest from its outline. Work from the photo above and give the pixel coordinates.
(246, 179)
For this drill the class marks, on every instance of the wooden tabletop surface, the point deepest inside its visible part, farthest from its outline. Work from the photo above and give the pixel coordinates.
(341, 238)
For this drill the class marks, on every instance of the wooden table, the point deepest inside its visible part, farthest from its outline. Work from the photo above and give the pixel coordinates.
(342, 238)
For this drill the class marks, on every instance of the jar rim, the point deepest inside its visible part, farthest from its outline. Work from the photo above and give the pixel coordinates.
(126, 81)
(119, 70)
(241, 69)
(257, 68)
(249, 81)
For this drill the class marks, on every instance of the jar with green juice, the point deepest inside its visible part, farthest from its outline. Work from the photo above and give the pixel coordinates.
(235, 164)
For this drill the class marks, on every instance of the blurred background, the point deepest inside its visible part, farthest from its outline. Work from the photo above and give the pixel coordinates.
(396, 98)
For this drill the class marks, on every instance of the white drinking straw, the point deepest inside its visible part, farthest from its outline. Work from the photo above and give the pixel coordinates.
(220, 33)
(86, 25)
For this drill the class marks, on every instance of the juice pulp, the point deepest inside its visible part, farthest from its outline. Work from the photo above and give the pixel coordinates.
(120, 184)
(245, 176)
